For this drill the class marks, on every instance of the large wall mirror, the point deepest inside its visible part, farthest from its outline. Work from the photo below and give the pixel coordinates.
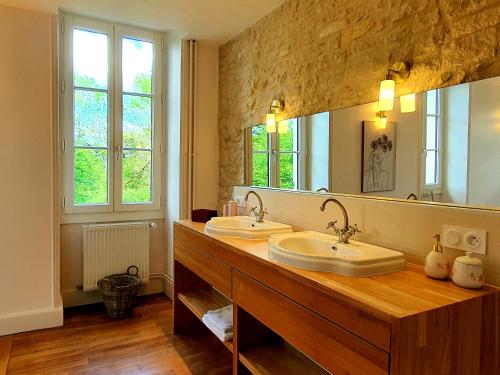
(447, 150)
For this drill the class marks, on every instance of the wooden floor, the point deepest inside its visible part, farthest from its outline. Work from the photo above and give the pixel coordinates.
(92, 343)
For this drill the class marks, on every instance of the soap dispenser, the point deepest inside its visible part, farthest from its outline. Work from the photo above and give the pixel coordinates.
(437, 265)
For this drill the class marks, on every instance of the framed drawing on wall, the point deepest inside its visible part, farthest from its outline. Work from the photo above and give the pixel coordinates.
(379, 157)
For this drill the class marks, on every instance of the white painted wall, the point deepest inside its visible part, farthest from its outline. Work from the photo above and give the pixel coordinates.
(484, 149)
(28, 263)
(205, 187)
(347, 151)
(455, 143)
(206, 159)
(173, 133)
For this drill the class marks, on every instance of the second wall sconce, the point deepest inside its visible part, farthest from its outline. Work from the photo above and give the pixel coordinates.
(276, 107)
(407, 103)
(398, 73)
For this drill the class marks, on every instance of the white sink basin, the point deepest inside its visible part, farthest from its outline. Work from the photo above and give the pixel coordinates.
(245, 227)
(321, 252)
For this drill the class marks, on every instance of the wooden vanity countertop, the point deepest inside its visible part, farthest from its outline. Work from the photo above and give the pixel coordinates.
(393, 295)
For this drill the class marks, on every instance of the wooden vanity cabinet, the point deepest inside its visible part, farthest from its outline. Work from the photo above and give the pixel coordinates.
(290, 321)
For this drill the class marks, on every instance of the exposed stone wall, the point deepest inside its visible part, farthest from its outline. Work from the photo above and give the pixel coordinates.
(321, 55)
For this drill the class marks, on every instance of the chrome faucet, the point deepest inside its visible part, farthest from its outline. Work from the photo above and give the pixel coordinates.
(259, 215)
(322, 189)
(348, 230)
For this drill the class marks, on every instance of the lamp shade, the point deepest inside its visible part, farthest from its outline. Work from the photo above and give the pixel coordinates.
(407, 103)
(283, 127)
(271, 123)
(386, 95)
(382, 122)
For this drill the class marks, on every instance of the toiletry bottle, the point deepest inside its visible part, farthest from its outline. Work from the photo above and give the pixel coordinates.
(467, 272)
(437, 265)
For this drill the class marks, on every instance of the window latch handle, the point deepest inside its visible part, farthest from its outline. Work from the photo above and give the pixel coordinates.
(118, 151)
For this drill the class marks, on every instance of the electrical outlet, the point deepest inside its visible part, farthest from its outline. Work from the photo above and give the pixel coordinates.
(467, 239)
(240, 201)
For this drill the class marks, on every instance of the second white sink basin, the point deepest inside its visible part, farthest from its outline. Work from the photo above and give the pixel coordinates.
(244, 227)
(321, 252)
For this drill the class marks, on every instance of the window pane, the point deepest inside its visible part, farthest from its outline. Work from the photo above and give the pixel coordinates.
(430, 134)
(136, 176)
(431, 102)
(90, 59)
(137, 66)
(91, 176)
(259, 138)
(430, 167)
(260, 170)
(90, 118)
(290, 140)
(288, 171)
(137, 121)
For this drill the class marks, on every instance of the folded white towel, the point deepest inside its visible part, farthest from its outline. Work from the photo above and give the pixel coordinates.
(222, 318)
(221, 335)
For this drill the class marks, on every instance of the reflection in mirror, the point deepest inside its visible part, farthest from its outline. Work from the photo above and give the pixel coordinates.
(294, 158)
(447, 150)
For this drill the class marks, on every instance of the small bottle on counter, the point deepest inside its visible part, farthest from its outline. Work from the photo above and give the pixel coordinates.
(437, 265)
(232, 208)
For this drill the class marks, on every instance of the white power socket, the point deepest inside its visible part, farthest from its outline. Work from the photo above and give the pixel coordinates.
(467, 239)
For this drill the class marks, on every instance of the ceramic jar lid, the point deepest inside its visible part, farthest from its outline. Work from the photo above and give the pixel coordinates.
(469, 259)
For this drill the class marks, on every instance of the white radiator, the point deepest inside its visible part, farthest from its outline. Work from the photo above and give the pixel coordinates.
(111, 248)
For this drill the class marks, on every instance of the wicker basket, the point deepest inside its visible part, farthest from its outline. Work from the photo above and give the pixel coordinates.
(119, 292)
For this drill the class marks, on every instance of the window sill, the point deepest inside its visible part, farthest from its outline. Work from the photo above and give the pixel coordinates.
(106, 217)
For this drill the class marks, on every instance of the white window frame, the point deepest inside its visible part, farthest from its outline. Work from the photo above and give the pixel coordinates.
(274, 153)
(434, 188)
(115, 209)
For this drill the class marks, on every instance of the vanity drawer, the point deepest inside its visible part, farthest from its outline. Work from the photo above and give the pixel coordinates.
(193, 239)
(213, 271)
(331, 346)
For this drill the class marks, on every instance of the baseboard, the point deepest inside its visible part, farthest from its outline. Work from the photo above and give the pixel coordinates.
(77, 297)
(31, 320)
(169, 287)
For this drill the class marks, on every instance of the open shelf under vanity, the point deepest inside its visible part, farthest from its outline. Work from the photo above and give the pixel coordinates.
(202, 300)
(256, 350)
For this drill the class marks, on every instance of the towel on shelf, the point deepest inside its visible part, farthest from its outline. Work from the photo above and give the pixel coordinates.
(220, 322)
(222, 336)
(222, 318)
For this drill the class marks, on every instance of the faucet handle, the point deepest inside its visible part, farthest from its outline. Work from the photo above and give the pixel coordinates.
(354, 229)
(253, 209)
(331, 224)
(265, 211)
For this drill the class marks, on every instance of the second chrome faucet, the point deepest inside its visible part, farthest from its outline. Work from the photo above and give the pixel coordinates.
(259, 215)
(347, 231)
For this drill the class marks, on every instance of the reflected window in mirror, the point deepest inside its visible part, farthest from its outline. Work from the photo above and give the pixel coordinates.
(432, 135)
(287, 156)
(260, 156)
(297, 158)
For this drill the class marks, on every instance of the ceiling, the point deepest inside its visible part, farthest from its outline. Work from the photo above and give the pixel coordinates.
(211, 20)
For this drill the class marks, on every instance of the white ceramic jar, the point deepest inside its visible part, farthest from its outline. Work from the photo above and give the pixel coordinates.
(467, 272)
(437, 265)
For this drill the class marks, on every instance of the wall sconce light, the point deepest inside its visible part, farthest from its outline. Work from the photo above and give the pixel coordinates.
(399, 73)
(276, 107)
(283, 126)
(407, 103)
(381, 120)
(271, 122)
